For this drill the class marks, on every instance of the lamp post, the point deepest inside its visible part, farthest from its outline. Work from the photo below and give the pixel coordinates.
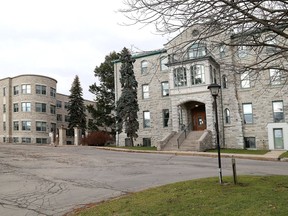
(214, 89)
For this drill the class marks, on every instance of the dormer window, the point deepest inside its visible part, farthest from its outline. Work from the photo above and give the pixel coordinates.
(197, 50)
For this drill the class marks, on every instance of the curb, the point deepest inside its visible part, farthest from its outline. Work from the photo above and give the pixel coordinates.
(200, 154)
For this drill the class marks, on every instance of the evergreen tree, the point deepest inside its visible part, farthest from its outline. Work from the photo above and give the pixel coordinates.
(127, 105)
(76, 108)
(103, 113)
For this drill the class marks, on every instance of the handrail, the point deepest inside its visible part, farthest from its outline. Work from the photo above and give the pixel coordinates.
(183, 134)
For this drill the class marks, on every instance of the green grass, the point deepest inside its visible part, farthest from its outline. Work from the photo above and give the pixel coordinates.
(138, 148)
(240, 151)
(284, 155)
(253, 195)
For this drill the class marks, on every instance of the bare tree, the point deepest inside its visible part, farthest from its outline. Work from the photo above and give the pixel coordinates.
(260, 26)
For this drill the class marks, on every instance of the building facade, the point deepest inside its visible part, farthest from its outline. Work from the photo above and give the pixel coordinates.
(32, 111)
(176, 108)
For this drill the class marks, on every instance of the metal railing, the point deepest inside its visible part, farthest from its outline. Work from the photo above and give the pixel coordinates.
(183, 134)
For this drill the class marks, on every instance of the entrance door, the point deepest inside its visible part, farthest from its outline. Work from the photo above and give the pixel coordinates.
(199, 120)
(278, 138)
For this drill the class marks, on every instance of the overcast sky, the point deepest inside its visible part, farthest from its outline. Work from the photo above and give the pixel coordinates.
(65, 38)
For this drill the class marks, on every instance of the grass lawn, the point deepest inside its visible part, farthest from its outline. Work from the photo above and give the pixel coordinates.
(240, 151)
(254, 195)
(138, 148)
(284, 155)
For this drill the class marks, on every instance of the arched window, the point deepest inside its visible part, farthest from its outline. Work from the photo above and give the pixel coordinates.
(224, 81)
(144, 67)
(180, 77)
(227, 116)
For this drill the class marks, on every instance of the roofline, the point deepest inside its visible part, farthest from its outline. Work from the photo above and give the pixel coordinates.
(23, 75)
(144, 54)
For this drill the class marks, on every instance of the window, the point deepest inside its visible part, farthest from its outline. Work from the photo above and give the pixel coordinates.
(41, 89)
(247, 113)
(41, 126)
(4, 108)
(16, 90)
(59, 104)
(40, 107)
(26, 107)
(67, 118)
(165, 117)
(52, 92)
(59, 117)
(4, 91)
(41, 140)
(15, 139)
(224, 81)
(250, 142)
(144, 67)
(145, 91)
(26, 89)
(275, 76)
(222, 50)
(278, 111)
(242, 51)
(26, 140)
(165, 89)
(197, 50)
(147, 142)
(197, 74)
(180, 78)
(270, 41)
(163, 62)
(146, 119)
(26, 125)
(66, 105)
(245, 80)
(15, 107)
(227, 116)
(4, 126)
(16, 125)
(52, 109)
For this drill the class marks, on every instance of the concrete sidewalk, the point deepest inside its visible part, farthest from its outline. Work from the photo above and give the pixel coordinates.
(270, 156)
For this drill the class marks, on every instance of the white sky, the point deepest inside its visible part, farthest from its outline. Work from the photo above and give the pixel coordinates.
(65, 38)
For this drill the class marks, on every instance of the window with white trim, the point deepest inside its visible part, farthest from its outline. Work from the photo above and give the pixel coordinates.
(144, 67)
(145, 91)
(26, 107)
(180, 77)
(245, 80)
(278, 111)
(197, 74)
(146, 119)
(26, 89)
(247, 113)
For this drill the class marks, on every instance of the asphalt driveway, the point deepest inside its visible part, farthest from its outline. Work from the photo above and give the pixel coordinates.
(46, 180)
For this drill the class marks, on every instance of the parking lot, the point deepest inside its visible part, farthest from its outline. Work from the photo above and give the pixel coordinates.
(47, 180)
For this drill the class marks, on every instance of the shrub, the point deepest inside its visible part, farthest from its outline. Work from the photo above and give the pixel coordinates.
(97, 138)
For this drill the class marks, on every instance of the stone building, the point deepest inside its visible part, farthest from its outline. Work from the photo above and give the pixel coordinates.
(32, 111)
(176, 108)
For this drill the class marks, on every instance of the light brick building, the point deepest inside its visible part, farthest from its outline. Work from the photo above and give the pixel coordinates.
(31, 109)
(176, 108)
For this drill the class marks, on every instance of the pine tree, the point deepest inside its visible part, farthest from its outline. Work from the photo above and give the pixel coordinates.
(103, 114)
(76, 108)
(127, 105)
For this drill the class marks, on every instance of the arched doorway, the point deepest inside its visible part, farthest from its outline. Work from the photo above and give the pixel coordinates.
(198, 117)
